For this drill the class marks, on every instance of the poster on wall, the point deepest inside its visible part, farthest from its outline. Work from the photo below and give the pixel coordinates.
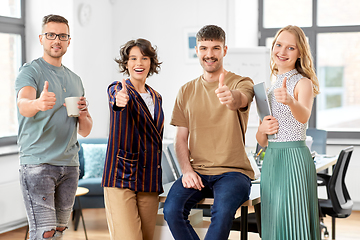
(190, 43)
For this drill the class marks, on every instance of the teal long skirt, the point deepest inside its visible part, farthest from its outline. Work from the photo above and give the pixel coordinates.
(289, 201)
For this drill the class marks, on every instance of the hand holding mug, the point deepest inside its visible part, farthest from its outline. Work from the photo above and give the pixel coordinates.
(75, 106)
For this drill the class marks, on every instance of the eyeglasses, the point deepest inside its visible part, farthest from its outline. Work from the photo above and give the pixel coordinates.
(52, 36)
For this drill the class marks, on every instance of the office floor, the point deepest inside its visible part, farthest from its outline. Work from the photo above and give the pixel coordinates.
(96, 226)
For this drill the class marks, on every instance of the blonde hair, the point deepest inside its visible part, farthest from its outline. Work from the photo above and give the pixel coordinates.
(304, 64)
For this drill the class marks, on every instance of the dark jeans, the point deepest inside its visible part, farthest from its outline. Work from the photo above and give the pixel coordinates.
(229, 190)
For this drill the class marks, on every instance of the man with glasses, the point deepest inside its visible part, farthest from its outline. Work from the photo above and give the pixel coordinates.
(47, 137)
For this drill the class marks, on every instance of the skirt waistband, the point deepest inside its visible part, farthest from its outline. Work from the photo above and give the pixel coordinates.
(294, 144)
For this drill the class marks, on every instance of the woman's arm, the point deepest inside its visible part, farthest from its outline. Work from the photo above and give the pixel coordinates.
(301, 104)
(268, 126)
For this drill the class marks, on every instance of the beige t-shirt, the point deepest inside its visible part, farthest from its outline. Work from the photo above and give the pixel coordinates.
(216, 133)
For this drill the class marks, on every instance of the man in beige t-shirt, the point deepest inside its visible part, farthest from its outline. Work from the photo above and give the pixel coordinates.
(211, 115)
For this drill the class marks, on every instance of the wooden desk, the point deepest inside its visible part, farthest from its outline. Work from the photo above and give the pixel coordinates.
(323, 162)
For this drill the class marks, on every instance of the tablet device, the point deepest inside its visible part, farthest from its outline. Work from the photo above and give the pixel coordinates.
(262, 103)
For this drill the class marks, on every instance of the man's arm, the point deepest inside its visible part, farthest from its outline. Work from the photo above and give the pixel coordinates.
(29, 105)
(190, 178)
(85, 120)
(233, 99)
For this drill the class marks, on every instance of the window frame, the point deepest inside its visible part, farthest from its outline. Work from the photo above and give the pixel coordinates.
(14, 26)
(311, 33)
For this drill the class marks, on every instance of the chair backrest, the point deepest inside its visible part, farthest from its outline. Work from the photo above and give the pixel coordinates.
(174, 161)
(81, 151)
(319, 137)
(337, 190)
(167, 173)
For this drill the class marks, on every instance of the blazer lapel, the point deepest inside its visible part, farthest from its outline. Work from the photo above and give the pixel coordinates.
(157, 123)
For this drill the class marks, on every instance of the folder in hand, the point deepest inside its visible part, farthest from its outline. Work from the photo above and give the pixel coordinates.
(262, 103)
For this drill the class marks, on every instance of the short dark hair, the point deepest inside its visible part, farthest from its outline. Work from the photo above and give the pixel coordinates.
(210, 33)
(54, 18)
(146, 49)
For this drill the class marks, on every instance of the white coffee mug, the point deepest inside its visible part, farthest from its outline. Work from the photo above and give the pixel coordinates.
(72, 106)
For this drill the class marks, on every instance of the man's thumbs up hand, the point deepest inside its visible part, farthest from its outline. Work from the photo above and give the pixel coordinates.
(221, 80)
(122, 96)
(47, 99)
(223, 92)
(46, 86)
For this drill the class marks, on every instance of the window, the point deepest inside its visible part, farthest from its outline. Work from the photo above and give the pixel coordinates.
(12, 32)
(333, 31)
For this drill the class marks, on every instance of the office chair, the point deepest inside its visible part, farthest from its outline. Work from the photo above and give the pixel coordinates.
(167, 172)
(319, 139)
(338, 204)
(174, 162)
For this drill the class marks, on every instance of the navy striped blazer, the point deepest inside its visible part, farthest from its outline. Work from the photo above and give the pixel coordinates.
(133, 158)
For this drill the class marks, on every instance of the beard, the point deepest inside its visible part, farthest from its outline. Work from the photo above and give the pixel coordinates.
(213, 68)
(55, 54)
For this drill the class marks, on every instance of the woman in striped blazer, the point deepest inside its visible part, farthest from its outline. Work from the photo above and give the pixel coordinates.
(132, 171)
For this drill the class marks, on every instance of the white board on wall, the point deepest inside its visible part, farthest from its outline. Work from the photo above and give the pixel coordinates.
(250, 62)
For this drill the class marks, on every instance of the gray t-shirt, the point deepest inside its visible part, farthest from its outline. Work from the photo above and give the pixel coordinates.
(50, 136)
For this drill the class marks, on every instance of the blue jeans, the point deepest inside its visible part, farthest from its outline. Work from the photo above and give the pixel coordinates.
(49, 194)
(229, 190)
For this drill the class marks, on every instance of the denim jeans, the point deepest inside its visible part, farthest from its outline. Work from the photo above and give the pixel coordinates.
(229, 190)
(49, 194)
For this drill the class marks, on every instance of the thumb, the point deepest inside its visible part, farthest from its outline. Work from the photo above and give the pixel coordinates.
(284, 82)
(123, 83)
(221, 80)
(46, 86)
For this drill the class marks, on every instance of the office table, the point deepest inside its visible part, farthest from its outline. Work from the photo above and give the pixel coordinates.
(321, 162)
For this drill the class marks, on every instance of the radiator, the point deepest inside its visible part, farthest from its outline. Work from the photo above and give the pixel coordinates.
(12, 209)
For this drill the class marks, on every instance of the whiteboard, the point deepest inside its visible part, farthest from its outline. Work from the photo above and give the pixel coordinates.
(250, 62)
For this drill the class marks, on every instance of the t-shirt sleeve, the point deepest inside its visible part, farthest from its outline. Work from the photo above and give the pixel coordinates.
(178, 115)
(28, 76)
(246, 86)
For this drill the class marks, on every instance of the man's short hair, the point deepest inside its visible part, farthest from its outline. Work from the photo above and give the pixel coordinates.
(54, 18)
(211, 33)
